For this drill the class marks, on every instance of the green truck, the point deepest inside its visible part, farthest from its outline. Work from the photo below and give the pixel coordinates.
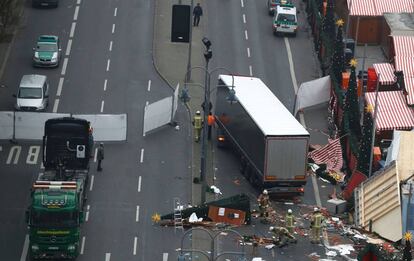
(58, 196)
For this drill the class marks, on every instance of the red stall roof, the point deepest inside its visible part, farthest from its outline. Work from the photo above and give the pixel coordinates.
(403, 45)
(379, 7)
(393, 112)
(385, 72)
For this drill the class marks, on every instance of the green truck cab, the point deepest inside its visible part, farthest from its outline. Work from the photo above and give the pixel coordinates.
(58, 196)
(54, 219)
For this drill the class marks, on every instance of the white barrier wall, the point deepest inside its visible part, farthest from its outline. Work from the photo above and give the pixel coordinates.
(6, 125)
(157, 114)
(107, 127)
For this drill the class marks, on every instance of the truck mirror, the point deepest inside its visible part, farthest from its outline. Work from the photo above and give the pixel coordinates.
(27, 216)
(81, 217)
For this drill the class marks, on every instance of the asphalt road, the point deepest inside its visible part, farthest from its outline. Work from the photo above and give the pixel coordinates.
(106, 67)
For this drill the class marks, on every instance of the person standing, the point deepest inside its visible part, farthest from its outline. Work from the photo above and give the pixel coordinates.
(210, 121)
(316, 223)
(100, 156)
(198, 123)
(197, 13)
(290, 221)
(263, 201)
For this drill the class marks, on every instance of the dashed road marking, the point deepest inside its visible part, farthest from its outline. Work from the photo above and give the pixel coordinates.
(72, 30)
(115, 11)
(146, 103)
(68, 47)
(139, 184)
(113, 28)
(137, 215)
(96, 155)
(82, 245)
(60, 85)
(105, 83)
(41, 165)
(142, 156)
(248, 52)
(78, 2)
(55, 106)
(134, 252)
(110, 46)
(251, 70)
(91, 185)
(244, 18)
(75, 16)
(165, 257)
(149, 85)
(245, 35)
(87, 213)
(102, 106)
(108, 63)
(242, 4)
(107, 256)
(65, 64)
(292, 69)
(25, 248)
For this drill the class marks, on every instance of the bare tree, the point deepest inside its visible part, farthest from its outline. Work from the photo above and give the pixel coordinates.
(8, 16)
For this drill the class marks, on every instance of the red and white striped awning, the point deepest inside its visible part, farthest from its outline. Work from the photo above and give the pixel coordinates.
(405, 64)
(409, 86)
(393, 6)
(393, 112)
(361, 8)
(379, 7)
(385, 72)
(403, 45)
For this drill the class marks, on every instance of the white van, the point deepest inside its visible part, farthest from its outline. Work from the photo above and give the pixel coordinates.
(285, 20)
(33, 93)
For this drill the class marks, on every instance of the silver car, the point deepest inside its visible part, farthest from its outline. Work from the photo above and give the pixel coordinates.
(33, 93)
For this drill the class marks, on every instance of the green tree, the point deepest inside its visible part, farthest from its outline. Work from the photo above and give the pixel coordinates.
(351, 103)
(328, 22)
(338, 58)
(365, 149)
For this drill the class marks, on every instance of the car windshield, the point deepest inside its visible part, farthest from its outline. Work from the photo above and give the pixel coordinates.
(30, 93)
(286, 18)
(54, 219)
(43, 47)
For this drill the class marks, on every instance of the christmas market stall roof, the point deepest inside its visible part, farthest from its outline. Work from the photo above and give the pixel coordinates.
(404, 61)
(393, 112)
(385, 72)
(379, 7)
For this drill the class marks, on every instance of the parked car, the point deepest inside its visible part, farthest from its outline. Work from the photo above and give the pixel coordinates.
(47, 51)
(33, 93)
(40, 3)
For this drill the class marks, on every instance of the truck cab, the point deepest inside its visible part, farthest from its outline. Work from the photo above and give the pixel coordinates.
(54, 219)
(285, 20)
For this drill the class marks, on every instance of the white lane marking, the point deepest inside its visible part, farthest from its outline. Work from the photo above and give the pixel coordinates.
(242, 4)
(135, 246)
(139, 184)
(56, 105)
(115, 11)
(110, 46)
(248, 52)
(137, 215)
(41, 165)
(142, 156)
(164, 256)
(60, 85)
(108, 63)
(102, 105)
(292, 69)
(1, 148)
(25, 248)
(82, 245)
(107, 256)
(14, 151)
(96, 155)
(149, 85)
(245, 35)
(146, 103)
(91, 186)
(72, 30)
(105, 83)
(251, 70)
(64, 66)
(244, 18)
(113, 28)
(75, 16)
(68, 47)
(78, 2)
(87, 213)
